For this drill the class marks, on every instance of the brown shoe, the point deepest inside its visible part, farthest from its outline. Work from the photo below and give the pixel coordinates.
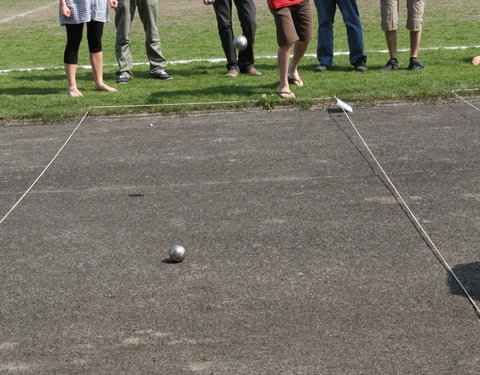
(253, 72)
(232, 73)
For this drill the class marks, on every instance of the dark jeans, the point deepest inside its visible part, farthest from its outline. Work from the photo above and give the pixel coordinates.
(246, 13)
(326, 15)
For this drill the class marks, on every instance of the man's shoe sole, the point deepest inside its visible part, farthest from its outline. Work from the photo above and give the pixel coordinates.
(322, 68)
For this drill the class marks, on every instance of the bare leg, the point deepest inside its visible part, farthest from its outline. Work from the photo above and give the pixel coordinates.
(283, 60)
(298, 53)
(391, 38)
(71, 71)
(415, 37)
(96, 59)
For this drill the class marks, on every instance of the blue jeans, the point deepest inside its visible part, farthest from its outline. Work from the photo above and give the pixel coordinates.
(326, 15)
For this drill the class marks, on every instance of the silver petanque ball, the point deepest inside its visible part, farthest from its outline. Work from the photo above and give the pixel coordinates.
(240, 42)
(177, 253)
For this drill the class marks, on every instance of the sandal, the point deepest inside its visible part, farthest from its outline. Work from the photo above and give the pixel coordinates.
(284, 94)
(294, 77)
(293, 81)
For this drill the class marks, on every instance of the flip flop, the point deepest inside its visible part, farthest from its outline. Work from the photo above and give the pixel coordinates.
(286, 94)
(294, 81)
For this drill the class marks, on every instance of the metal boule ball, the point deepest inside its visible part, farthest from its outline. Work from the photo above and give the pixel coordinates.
(240, 42)
(177, 253)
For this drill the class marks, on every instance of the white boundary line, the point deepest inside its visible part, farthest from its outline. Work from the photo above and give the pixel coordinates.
(45, 169)
(343, 106)
(340, 103)
(454, 92)
(82, 120)
(419, 226)
(5, 20)
(215, 60)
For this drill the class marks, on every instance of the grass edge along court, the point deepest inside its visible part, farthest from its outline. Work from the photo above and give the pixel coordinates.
(33, 84)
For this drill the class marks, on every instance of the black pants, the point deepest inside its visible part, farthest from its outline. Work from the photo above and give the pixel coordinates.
(246, 13)
(74, 37)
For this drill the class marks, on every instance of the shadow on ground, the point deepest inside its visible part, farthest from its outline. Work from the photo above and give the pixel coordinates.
(469, 276)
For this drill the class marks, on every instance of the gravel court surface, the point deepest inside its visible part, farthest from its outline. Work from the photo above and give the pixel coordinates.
(299, 260)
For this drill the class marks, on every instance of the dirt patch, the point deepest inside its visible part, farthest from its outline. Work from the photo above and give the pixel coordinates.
(48, 11)
(43, 10)
(194, 10)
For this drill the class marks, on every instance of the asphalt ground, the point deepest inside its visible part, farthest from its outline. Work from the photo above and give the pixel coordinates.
(300, 260)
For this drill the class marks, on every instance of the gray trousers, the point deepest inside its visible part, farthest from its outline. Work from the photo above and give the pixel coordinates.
(147, 11)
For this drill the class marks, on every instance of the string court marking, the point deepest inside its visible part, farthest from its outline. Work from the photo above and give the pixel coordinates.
(45, 169)
(419, 226)
(116, 106)
(454, 92)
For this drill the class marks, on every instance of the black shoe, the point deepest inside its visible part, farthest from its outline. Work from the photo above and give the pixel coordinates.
(391, 64)
(322, 68)
(163, 75)
(415, 64)
(360, 66)
(123, 78)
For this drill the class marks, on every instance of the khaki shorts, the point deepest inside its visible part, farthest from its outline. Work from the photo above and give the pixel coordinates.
(294, 23)
(389, 10)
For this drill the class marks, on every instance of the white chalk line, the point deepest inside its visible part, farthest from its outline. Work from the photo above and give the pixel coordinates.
(117, 106)
(147, 105)
(44, 170)
(432, 245)
(411, 215)
(5, 20)
(216, 60)
(454, 92)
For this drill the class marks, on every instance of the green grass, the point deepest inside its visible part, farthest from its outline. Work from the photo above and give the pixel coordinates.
(190, 33)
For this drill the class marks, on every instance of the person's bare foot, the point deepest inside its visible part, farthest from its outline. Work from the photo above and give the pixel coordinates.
(476, 60)
(74, 92)
(104, 87)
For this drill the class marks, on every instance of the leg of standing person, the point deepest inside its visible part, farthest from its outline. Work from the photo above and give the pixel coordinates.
(351, 18)
(326, 14)
(391, 39)
(247, 13)
(294, 26)
(302, 19)
(389, 14)
(286, 36)
(223, 13)
(415, 38)
(94, 37)
(148, 12)
(70, 57)
(283, 56)
(415, 10)
(124, 13)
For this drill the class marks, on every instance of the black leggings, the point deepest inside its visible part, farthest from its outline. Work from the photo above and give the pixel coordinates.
(74, 37)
